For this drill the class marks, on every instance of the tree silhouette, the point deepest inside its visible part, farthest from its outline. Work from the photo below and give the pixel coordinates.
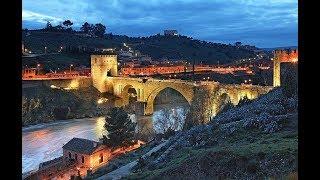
(59, 27)
(86, 27)
(99, 30)
(120, 128)
(48, 26)
(67, 23)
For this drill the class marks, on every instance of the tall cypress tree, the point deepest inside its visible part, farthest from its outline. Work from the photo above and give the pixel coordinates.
(120, 128)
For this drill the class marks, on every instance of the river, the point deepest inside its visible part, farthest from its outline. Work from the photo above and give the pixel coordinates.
(44, 142)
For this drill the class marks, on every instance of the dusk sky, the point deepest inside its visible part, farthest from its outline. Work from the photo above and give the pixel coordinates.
(263, 23)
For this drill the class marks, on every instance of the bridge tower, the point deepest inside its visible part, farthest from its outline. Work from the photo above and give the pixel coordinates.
(276, 69)
(102, 66)
(281, 56)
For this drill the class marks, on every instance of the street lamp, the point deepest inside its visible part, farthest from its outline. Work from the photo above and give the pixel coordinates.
(38, 68)
(71, 65)
(45, 49)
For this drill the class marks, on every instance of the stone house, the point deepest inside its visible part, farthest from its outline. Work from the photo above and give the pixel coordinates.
(85, 153)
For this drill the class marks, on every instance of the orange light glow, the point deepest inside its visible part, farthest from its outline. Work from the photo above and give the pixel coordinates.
(286, 56)
(123, 150)
(295, 60)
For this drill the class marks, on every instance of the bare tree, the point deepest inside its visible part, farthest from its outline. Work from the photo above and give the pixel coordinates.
(162, 124)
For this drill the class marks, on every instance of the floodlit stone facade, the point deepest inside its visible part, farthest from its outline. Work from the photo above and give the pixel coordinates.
(102, 66)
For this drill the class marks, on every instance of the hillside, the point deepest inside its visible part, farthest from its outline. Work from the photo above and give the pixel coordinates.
(274, 48)
(256, 140)
(158, 46)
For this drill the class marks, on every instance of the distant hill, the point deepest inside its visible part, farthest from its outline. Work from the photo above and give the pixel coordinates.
(158, 46)
(274, 48)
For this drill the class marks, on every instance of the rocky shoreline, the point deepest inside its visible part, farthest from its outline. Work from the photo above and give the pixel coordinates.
(42, 104)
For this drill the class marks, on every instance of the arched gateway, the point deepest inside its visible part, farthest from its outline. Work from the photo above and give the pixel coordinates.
(106, 79)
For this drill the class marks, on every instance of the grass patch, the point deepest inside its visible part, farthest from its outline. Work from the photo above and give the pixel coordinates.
(265, 144)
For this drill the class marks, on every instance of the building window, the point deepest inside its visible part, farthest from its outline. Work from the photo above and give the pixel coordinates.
(76, 157)
(69, 155)
(82, 159)
(101, 158)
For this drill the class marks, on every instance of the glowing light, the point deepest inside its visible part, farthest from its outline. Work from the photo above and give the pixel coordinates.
(102, 100)
(53, 87)
(295, 60)
(74, 84)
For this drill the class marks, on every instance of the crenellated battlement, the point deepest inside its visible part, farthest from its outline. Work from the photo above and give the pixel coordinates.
(286, 55)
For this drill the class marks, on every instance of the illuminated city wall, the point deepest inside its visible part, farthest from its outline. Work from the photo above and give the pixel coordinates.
(152, 70)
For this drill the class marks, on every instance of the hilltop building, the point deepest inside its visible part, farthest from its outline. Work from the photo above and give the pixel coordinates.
(171, 33)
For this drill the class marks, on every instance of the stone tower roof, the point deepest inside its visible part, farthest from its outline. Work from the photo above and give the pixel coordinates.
(82, 146)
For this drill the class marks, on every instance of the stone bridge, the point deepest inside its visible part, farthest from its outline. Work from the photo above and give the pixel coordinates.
(105, 79)
(147, 90)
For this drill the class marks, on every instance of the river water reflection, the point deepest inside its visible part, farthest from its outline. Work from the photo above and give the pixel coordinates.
(44, 142)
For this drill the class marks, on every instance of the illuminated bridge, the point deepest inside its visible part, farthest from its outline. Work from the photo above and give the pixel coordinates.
(104, 72)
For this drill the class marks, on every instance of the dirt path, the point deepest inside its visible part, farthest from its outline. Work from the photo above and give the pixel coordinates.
(126, 169)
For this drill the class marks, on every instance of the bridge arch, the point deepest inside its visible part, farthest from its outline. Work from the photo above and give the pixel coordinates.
(222, 97)
(125, 93)
(250, 94)
(150, 100)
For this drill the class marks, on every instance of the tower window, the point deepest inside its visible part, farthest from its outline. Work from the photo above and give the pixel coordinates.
(101, 158)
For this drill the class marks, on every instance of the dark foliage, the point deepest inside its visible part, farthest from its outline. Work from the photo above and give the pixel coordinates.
(244, 100)
(226, 107)
(86, 27)
(120, 128)
(290, 80)
(99, 30)
(169, 132)
(61, 112)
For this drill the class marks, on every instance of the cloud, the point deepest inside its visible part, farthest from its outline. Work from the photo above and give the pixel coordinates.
(229, 21)
(39, 18)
